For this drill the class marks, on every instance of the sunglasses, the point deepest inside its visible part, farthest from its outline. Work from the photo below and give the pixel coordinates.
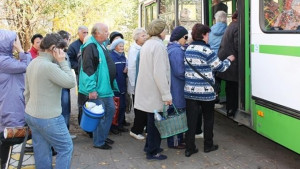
(186, 37)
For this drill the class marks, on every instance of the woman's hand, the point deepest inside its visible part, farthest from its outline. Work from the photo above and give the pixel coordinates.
(168, 102)
(231, 58)
(125, 70)
(59, 54)
(17, 45)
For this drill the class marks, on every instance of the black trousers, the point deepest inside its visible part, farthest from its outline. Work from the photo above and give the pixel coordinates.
(232, 94)
(192, 112)
(140, 121)
(199, 122)
(153, 139)
(81, 101)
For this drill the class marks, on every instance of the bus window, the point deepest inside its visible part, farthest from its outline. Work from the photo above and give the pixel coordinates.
(167, 13)
(189, 13)
(151, 13)
(281, 15)
(142, 17)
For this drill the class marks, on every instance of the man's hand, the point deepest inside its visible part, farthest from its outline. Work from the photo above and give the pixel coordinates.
(93, 95)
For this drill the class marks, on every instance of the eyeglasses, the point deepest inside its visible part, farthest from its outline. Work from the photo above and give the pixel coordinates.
(186, 37)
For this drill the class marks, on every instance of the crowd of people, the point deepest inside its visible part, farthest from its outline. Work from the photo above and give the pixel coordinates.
(35, 86)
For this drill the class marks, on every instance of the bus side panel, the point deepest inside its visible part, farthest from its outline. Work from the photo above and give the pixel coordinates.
(279, 127)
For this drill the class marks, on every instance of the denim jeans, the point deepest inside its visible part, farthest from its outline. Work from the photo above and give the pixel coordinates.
(101, 133)
(47, 133)
(66, 105)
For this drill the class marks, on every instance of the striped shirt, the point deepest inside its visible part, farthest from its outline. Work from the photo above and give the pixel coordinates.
(199, 55)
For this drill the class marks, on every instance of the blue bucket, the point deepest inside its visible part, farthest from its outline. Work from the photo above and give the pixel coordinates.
(89, 120)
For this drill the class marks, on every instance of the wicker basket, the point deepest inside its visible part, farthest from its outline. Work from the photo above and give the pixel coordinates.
(171, 125)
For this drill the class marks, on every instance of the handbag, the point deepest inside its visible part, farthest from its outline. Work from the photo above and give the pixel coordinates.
(116, 115)
(171, 125)
(200, 74)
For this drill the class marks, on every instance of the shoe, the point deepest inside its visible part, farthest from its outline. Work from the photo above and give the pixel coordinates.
(114, 131)
(90, 134)
(126, 123)
(218, 106)
(159, 150)
(136, 136)
(73, 136)
(104, 147)
(181, 146)
(109, 141)
(122, 129)
(199, 135)
(157, 157)
(189, 153)
(231, 113)
(212, 148)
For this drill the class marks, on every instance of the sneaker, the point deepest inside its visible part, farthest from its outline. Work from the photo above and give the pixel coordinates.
(157, 157)
(218, 106)
(137, 136)
(73, 136)
(199, 135)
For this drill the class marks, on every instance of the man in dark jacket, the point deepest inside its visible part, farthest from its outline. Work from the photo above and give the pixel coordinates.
(229, 46)
(75, 46)
(219, 6)
(97, 81)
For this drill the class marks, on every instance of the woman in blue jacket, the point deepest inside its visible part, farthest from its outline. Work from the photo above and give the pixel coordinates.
(118, 56)
(176, 50)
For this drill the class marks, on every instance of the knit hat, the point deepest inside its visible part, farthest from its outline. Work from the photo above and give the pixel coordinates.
(178, 33)
(113, 35)
(156, 27)
(115, 43)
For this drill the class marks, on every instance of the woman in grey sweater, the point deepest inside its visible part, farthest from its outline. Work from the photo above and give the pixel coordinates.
(43, 84)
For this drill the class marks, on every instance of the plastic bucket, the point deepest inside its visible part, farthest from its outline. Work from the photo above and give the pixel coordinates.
(89, 120)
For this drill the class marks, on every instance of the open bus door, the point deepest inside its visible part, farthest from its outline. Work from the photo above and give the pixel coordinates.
(243, 115)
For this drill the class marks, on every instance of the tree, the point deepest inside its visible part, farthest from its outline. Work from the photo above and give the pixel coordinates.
(28, 17)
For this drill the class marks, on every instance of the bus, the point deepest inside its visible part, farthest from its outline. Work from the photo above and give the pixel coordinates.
(268, 61)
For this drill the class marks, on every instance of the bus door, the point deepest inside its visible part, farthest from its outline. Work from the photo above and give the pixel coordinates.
(243, 114)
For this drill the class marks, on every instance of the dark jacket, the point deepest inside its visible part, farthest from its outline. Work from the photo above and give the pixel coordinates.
(176, 58)
(72, 53)
(219, 7)
(98, 70)
(229, 46)
(120, 62)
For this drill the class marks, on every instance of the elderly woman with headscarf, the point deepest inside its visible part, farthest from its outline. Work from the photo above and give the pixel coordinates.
(118, 56)
(43, 84)
(12, 70)
(176, 50)
(153, 84)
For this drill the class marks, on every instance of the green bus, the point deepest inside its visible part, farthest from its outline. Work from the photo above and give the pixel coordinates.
(269, 57)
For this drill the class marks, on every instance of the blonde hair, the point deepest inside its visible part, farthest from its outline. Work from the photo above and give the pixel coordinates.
(137, 32)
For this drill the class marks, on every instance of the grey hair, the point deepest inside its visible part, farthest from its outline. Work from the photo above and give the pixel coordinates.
(221, 16)
(81, 28)
(137, 32)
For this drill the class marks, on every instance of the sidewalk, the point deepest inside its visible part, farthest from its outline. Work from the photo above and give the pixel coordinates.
(239, 147)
